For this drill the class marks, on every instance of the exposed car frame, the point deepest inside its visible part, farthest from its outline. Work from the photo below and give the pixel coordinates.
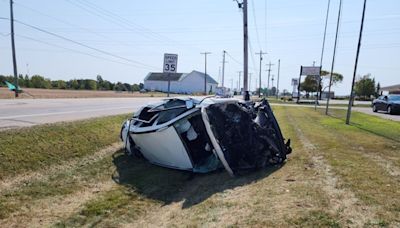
(205, 135)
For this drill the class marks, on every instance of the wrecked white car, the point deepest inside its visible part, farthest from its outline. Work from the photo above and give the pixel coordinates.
(202, 136)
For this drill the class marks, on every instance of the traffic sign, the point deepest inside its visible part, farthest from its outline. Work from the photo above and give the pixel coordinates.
(170, 63)
(310, 70)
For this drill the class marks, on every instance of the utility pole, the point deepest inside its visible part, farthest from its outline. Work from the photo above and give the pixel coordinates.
(240, 72)
(355, 66)
(259, 88)
(243, 6)
(269, 74)
(277, 83)
(13, 48)
(223, 68)
(272, 79)
(322, 51)
(205, 70)
(333, 58)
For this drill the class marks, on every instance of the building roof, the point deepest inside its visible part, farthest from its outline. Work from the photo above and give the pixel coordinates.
(158, 76)
(391, 88)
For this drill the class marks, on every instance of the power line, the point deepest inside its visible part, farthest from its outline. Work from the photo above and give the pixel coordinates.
(118, 17)
(60, 20)
(140, 65)
(73, 50)
(255, 23)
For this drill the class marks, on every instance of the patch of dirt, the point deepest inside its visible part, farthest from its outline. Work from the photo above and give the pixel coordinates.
(343, 201)
(10, 183)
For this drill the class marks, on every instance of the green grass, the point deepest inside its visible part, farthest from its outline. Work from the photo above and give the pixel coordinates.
(348, 149)
(30, 149)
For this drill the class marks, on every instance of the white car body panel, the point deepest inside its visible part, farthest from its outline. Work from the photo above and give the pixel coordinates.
(163, 147)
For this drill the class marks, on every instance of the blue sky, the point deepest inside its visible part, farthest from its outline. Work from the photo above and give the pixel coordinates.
(140, 32)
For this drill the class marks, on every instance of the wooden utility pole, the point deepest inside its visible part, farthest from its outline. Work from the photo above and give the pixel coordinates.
(13, 49)
(223, 68)
(246, 94)
(355, 66)
(269, 74)
(205, 70)
(259, 79)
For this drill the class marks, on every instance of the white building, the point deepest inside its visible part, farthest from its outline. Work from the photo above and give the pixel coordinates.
(187, 83)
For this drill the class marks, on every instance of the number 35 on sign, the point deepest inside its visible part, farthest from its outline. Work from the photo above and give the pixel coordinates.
(170, 63)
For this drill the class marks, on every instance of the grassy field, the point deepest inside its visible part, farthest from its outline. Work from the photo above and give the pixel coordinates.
(337, 176)
(30, 93)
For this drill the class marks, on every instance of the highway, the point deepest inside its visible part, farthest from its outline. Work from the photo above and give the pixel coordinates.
(28, 112)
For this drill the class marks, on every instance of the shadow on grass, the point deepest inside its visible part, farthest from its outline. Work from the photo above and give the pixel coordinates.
(168, 185)
(362, 126)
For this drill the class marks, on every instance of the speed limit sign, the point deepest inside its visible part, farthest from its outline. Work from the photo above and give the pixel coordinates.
(170, 63)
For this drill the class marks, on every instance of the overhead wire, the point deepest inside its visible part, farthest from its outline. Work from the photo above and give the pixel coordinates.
(255, 24)
(139, 64)
(73, 50)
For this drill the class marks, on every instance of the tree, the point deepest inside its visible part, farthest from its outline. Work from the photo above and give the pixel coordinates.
(273, 91)
(309, 85)
(27, 81)
(135, 87)
(74, 84)
(365, 86)
(325, 78)
(378, 90)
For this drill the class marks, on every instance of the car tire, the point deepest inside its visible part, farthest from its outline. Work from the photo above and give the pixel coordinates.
(374, 109)
(389, 110)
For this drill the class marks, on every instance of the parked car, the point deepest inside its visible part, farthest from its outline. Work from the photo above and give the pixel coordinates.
(205, 135)
(388, 103)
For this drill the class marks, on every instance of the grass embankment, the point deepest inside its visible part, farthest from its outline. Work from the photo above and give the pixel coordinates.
(30, 149)
(54, 160)
(337, 176)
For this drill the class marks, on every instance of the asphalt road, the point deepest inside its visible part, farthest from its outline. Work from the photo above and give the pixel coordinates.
(29, 112)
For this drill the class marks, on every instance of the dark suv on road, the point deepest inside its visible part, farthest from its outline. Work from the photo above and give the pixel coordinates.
(388, 103)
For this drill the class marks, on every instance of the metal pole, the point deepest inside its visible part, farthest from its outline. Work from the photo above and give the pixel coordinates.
(223, 68)
(298, 86)
(322, 52)
(240, 72)
(277, 83)
(205, 70)
(333, 58)
(13, 49)
(355, 66)
(259, 88)
(169, 84)
(246, 95)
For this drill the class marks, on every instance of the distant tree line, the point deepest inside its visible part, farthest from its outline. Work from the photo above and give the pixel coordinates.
(38, 81)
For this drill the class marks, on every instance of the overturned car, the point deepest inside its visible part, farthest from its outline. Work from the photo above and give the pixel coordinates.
(205, 135)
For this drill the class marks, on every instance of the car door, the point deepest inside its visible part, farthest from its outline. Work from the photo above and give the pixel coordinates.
(379, 103)
(384, 103)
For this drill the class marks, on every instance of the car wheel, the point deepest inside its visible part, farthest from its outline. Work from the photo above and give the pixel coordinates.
(374, 108)
(389, 110)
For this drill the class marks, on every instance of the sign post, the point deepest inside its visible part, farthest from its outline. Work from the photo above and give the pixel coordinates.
(170, 66)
